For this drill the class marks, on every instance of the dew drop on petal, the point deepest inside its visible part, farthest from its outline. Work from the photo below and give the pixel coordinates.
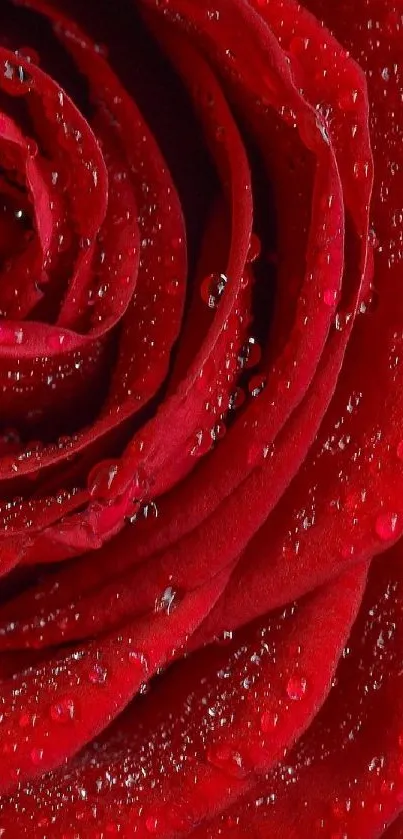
(98, 674)
(219, 431)
(150, 510)
(296, 687)
(329, 297)
(36, 756)
(55, 341)
(385, 525)
(250, 354)
(202, 444)
(63, 711)
(152, 825)
(255, 248)
(237, 399)
(268, 721)
(212, 289)
(102, 478)
(167, 601)
(256, 385)
(227, 759)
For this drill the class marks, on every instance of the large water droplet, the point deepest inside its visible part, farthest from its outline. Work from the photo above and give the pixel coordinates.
(329, 297)
(386, 525)
(236, 399)
(63, 711)
(17, 80)
(98, 674)
(36, 756)
(256, 385)
(101, 479)
(268, 721)
(227, 759)
(250, 354)
(167, 601)
(296, 687)
(152, 825)
(212, 289)
(255, 248)
(202, 443)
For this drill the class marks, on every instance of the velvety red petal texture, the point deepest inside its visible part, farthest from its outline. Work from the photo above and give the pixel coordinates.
(201, 435)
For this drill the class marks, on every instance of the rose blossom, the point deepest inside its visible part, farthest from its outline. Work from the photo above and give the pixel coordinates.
(201, 442)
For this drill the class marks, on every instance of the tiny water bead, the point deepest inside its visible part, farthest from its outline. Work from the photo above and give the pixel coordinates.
(202, 443)
(150, 510)
(219, 431)
(101, 479)
(237, 399)
(16, 79)
(63, 711)
(296, 687)
(228, 759)
(152, 825)
(98, 674)
(212, 289)
(386, 526)
(268, 721)
(37, 755)
(167, 601)
(330, 297)
(257, 385)
(112, 478)
(255, 248)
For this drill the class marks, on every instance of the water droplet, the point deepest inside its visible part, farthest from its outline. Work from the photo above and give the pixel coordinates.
(138, 659)
(173, 287)
(236, 399)
(112, 829)
(152, 825)
(37, 756)
(296, 687)
(202, 444)
(101, 479)
(167, 601)
(212, 289)
(29, 54)
(268, 721)
(16, 78)
(63, 711)
(386, 525)
(150, 510)
(373, 239)
(227, 759)
(24, 720)
(250, 354)
(219, 431)
(256, 385)
(55, 341)
(178, 818)
(255, 248)
(341, 320)
(329, 297)
(98, 674)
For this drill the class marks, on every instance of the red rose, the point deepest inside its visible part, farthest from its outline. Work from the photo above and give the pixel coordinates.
(201, 346)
